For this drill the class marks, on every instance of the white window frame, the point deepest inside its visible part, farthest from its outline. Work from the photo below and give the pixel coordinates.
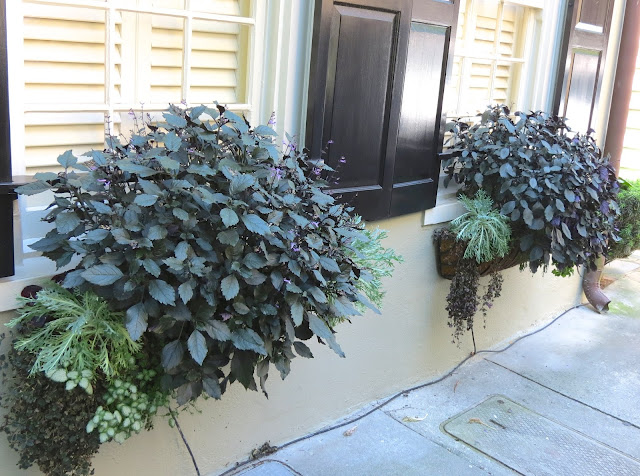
(277, 80)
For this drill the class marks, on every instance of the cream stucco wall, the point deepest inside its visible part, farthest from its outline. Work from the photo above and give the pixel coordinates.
(408, 344)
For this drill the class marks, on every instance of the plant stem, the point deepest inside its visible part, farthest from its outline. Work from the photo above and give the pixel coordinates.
(473, 337)
(184, 440)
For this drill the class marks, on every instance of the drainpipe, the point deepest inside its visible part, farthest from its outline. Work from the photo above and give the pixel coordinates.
(616, 128)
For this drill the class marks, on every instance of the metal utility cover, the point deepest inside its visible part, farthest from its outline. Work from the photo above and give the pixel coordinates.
(532, 444)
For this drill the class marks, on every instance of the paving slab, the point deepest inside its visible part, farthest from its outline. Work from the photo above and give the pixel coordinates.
(501, 428)
(377, 446)
(476, 381)
(593, 358)
(570, 394)
(620, 267)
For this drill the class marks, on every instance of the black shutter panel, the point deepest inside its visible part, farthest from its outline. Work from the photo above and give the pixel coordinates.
(586, 49)
(421, 130)
(359, 66)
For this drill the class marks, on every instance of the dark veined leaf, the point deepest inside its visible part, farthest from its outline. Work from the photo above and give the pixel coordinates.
(536, 253)
(229, 217)
(185, 291)
(297, 312)
(508, 207)
(151, 267)
(248, 339)
(212, 387)
(242, 369)
(67, 221)
(319, 328)
(527, 216)
(162, 292)
(265, 131)
(145, 200)
(67, 159)
(256, 224)
(229, 287)
(172, 354)
(33, 188)
(569, 195)
(136, 321)
(169, 164)
(566, 231)
(102, 274)
(171, 141)
(302, 350)
(240, 183)
(133, 168)
(175, 121)
(197, 345)
(329, 264)
(218, 330)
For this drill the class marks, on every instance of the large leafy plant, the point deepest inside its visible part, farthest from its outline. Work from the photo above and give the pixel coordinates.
(214, 243)
(628, 223)
(555, 187)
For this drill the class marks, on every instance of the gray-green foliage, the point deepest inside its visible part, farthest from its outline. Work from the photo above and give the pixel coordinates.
(553, 185)
(213, 241)
(375, 262)
(628, 222)
(485, 230)
(80, 336)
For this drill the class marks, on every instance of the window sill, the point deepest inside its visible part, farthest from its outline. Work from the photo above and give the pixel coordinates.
(31, 271)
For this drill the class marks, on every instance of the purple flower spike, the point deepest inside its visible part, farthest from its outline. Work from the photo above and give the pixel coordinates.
(343, 160)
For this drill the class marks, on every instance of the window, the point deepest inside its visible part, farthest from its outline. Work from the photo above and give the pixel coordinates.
(495, 55)
(79, 70)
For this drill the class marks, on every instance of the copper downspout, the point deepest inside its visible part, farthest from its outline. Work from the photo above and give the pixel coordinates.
(618, 114)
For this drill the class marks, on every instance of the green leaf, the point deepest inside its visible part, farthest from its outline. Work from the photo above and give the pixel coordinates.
(302, 350)
(33, 188)
(248, 339)
(229, 287)
(185, 291)
(197, 346)
(102, 274)
(145, 200)
(175, 121)
(256, 224)
(136, 321)
(218, 330)
(171, 141)
(172, 354)
(229, 217)
(212, 387)
(67, 221)
(162, 292)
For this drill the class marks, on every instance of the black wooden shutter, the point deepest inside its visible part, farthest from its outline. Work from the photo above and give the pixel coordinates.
(586, 49)
(377, 78)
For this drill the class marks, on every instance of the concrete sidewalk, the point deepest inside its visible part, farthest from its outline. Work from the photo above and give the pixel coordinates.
(565, 400)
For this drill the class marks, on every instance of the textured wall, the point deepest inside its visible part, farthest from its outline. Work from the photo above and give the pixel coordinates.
(408, 344)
